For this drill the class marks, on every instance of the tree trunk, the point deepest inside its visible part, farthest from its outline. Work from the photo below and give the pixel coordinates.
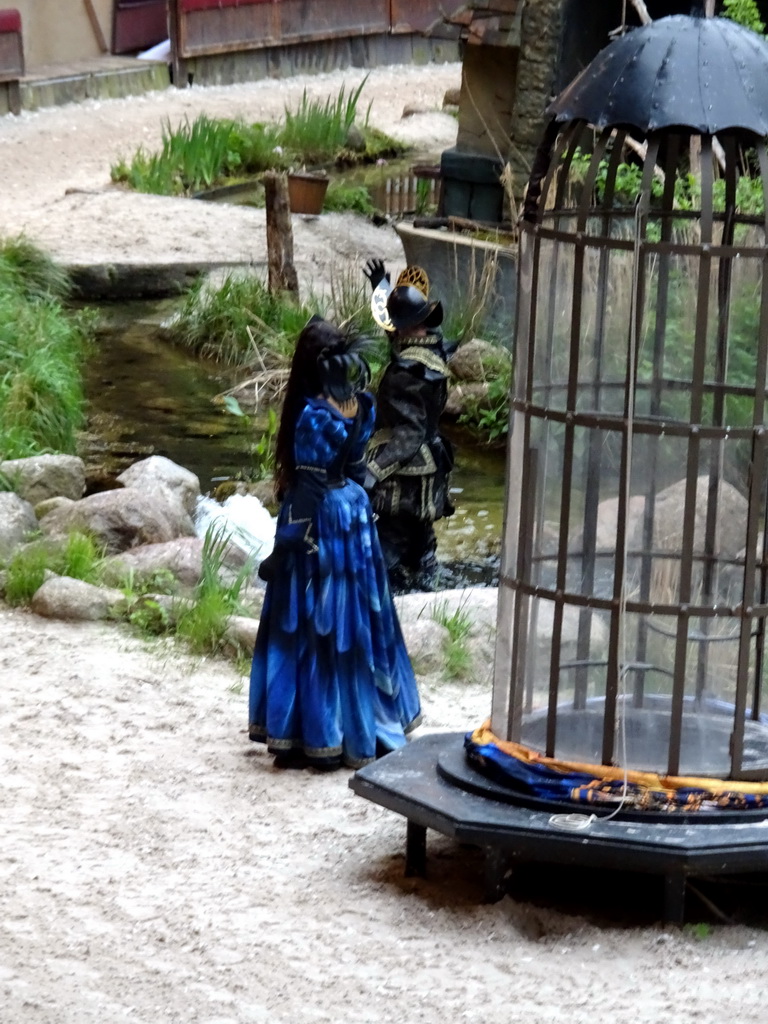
(282, 273)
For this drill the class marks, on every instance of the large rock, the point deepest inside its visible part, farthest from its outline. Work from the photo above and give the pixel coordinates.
(156, 472)
(17, 521)
(61, 597)
(479, 603)
(669, 521)
(182, 557)
(122, 519)
(46, 476)
(475, 359)
(241, 633)
(608, 521)
(465, 396)
(422, 618)
(425, 641)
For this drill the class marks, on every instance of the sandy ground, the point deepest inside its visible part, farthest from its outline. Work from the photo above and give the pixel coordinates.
(55, 169)
(156, 868)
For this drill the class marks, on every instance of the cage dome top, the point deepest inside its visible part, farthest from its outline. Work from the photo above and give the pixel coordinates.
(707, 74)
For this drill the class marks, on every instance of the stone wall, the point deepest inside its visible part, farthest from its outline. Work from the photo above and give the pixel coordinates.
(537, 69)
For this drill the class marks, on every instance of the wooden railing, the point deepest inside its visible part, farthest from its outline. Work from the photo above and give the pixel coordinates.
(209, 27)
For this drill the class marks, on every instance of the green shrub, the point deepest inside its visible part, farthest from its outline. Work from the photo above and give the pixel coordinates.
(746, 13)
(341, 198)
(25, 573)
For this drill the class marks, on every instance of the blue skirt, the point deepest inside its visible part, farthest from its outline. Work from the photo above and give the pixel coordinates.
(331, 678)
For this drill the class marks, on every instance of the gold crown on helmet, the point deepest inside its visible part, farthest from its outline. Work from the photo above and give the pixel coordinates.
(415, 277)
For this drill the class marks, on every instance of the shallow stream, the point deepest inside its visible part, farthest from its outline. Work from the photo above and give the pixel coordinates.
(149, 397)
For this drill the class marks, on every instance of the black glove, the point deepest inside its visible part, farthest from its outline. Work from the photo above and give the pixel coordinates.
(268, 567)
(274, 563)
(375, 272)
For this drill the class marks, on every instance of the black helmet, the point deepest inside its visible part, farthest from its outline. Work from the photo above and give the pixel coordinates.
(408, 307)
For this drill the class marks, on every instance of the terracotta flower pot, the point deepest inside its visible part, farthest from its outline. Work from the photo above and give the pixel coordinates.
(306, 192)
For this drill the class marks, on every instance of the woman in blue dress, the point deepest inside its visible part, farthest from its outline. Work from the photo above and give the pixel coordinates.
(331, 681)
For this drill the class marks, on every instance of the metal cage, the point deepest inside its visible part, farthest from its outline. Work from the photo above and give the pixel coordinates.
(634, 580)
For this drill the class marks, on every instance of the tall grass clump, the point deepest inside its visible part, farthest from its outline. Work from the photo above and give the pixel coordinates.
(318, 129)
(79, 556)
(229, 322)
(201, 154)
(207, 152)
(42, 348)
(458, 623)
(203, 622)
(30, 272)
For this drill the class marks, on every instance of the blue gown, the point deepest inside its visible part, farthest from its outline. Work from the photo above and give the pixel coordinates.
(331, 678)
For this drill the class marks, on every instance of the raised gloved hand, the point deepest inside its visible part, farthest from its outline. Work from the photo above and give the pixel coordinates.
(376, 272)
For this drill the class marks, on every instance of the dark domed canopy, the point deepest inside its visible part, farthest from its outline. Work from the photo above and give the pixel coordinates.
(708, 74)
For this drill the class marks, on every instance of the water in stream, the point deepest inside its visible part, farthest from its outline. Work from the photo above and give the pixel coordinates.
(148, 397)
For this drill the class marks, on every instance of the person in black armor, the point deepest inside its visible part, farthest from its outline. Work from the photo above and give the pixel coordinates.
(409, 461)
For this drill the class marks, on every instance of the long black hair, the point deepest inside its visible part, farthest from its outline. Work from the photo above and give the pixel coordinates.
(320, 349)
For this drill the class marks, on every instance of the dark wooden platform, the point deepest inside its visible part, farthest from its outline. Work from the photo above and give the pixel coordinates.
(414, 782)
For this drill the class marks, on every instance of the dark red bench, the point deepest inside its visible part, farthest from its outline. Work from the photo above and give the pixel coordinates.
(11, 56)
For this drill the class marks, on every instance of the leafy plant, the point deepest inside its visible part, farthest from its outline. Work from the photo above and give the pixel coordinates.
(143, 611)
(200, 154)
(425, 199)
(25, 574)
(699, 931)
(487, 416)
(342, 198)
(746, 13)
(150, 617)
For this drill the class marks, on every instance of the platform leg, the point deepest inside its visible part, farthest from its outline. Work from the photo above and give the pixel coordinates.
(415, 850)
(494, 873)
(674, 898)
(14, 98)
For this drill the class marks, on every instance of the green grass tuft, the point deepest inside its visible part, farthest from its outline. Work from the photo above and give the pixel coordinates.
(459, 625)
(225, 323)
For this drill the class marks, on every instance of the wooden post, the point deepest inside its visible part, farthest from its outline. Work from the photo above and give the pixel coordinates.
(176, 33)
(282, 273)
